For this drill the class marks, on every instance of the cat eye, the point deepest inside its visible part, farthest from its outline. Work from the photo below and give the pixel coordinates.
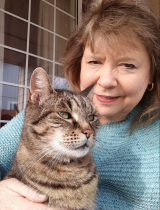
(91, 117)
(65, 115)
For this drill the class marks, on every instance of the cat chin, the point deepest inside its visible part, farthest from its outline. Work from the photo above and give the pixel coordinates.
(80, 153)
(75, 153)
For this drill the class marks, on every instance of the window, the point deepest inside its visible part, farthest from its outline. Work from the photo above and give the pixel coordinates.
(32, 33)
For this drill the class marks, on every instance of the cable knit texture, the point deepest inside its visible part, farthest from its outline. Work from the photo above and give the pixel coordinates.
(128, 165)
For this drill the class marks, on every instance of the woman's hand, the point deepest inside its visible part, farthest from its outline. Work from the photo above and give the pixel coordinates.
(14, 195)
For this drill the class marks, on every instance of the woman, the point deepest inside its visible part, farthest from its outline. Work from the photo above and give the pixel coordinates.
(116, 48)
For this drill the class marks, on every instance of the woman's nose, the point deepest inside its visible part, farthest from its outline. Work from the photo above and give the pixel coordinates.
(107, 77)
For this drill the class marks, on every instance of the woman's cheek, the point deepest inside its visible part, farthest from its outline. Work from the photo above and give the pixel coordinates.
(85, 79)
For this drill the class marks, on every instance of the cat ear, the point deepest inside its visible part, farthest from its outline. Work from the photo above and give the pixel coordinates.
(40, 86)
(88, 92)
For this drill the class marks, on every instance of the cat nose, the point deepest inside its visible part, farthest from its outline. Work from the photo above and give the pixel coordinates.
(87, 132)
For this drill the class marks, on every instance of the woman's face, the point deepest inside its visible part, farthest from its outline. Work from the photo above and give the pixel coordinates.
(120, 77)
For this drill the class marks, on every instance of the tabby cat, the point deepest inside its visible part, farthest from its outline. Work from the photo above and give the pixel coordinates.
(54, 155)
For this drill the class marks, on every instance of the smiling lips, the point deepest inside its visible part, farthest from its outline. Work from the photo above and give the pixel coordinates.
(106, 99)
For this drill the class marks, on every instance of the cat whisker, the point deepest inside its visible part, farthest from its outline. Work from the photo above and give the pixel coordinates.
(49, 162)
(101, 144)
(41, 157)
(55, 162)
(49, 150)
(30, 160)
(29, 168)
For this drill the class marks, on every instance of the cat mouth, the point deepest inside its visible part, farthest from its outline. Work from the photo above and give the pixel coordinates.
(84, 146)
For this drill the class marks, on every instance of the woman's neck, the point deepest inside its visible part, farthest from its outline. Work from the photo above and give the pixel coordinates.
(104, 119)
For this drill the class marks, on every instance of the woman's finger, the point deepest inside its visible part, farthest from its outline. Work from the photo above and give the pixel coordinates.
(24, 191)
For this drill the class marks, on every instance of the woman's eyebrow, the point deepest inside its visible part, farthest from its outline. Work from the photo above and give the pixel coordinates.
(124, 58)
(96, 56)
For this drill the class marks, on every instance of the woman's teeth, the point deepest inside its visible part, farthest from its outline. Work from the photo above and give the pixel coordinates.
(107, 97)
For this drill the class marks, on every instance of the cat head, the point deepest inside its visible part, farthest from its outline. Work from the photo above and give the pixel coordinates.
(62, 121)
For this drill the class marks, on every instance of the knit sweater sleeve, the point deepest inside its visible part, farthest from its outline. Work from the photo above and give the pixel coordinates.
(9, 140)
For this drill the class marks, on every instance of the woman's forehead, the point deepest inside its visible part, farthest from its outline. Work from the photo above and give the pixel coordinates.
(118, 45)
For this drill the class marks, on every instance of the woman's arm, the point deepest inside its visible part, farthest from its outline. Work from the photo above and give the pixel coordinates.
(9, 140)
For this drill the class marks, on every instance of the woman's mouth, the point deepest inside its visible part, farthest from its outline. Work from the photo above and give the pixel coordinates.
(106, 99)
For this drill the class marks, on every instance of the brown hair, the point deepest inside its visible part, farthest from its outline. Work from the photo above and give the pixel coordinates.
(116, 19)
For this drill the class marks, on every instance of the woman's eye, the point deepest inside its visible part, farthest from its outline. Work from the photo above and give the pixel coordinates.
(91, 117)
(65, 115)
(129, 66)
(94, 62)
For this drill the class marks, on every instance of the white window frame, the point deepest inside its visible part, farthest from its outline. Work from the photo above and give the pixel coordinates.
(25, 86)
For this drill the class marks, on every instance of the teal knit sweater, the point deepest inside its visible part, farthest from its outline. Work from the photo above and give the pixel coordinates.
(128, 165)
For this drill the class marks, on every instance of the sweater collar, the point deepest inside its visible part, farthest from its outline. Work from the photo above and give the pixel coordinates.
(126, 122)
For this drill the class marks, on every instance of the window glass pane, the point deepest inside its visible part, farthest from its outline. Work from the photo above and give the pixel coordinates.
(36, 62)
(41, 42)
(60, 49)
(11, 101)
(13, 32)
(2, 124)
(67, 5)
(44, 16)
(12, 66)
(68, 25)
(59, 81)
(51, 1)
(59, 72)
(17, 7)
